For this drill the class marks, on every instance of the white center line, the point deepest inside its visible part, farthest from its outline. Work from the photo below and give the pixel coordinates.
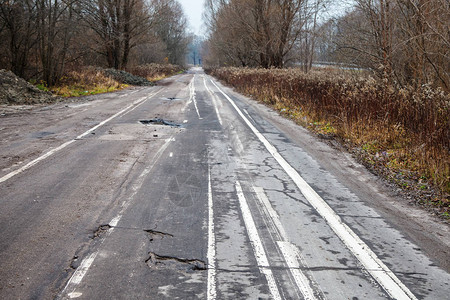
(255, 241)
(211, 290)
(192, 97)
(289, 250)
(377, 269)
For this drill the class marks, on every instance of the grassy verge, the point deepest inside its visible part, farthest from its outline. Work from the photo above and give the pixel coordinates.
(155, 72)
(92, 80)
(401, 134)
(86, 81)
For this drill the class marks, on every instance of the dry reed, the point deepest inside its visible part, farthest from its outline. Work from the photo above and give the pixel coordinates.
(403, 133)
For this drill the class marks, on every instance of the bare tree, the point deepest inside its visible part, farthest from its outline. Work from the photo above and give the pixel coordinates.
(424, 31)
(119, 26)
(54, 25)
(262, 32)
(49, 35)
(403, 41)
(18, 33)
(170, 25)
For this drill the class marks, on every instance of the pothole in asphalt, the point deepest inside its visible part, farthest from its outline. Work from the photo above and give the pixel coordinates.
(172, 98)
(102, 229)
(158, 121)
(155, 261)
(152, 234)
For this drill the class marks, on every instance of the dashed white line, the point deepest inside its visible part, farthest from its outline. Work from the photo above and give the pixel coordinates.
(255, 241)
(211, 289)
(372, 264)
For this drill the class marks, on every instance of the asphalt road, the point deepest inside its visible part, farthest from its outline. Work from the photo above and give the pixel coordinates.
(188, 190)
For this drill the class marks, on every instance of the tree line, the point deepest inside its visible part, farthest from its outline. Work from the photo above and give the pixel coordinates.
(402, 41)
(265, 33)
(44, 38)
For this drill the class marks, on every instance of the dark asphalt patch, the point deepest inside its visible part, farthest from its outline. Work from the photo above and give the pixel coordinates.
(158, 121)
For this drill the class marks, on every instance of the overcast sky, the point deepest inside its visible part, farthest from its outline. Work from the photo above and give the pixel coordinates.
(193, 10)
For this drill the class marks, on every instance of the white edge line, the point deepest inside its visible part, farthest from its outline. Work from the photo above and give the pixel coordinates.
(289, 252)
(255, 241)
(81, 271)
(211, 290)
(378, 270)
(53, 151)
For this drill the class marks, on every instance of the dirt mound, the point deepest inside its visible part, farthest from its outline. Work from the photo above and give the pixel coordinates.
(15, 90)
(127, 78)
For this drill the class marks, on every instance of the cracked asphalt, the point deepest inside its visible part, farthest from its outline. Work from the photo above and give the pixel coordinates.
(188, 190)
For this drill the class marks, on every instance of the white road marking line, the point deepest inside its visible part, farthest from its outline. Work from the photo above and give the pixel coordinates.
(249, 115)
(288, 250)
(192, 96)
(115, 220)
(255, 241)
(152, 95)
(211, 290)
(377, 269)
(75, 295)
(291, 256)
(81, 271)
(54, 150)
(214, 101)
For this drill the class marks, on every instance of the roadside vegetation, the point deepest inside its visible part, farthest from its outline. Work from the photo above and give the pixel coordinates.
(73, 47)
(154, 72)
(402, 134)
(87, 81)
(385, 92)
(96, 80)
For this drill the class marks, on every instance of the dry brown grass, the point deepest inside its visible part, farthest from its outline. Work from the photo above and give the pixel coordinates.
(155, 72)
(86, 81)
(401, 133)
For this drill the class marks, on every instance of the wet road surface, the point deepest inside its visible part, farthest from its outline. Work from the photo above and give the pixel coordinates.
(189, 190)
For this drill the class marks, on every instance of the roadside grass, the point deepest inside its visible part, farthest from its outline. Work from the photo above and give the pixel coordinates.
(401, 134)
(86, 81)
(93, 80)
(155, 72)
